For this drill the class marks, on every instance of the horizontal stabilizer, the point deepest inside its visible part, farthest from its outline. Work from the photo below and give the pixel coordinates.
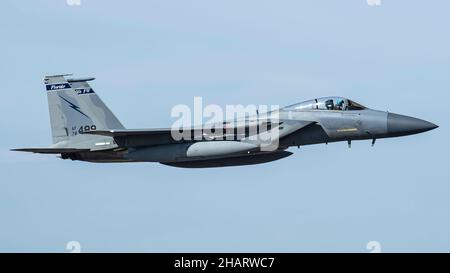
(51, 150)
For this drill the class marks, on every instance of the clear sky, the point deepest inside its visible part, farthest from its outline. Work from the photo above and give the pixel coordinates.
(148, 56)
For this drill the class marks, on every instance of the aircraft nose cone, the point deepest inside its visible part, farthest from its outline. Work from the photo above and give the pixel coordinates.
(399, 125)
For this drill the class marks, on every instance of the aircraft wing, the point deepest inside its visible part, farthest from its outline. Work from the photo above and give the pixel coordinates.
(142, 137)
(149, 137)
(50, 150)
(133, 133)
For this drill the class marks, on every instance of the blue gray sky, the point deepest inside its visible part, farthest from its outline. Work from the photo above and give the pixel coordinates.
(148, 56)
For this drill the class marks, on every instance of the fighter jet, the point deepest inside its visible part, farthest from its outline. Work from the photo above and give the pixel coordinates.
(83, 128)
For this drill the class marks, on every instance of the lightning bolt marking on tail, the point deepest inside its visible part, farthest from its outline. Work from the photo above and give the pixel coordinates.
(74, 107)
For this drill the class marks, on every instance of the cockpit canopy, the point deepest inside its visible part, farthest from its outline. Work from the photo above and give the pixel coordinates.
(328, 103)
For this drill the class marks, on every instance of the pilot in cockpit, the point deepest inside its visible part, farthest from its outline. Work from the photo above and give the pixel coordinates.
(339, 105)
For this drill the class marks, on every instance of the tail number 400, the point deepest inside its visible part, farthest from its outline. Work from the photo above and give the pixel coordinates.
(82, 129)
